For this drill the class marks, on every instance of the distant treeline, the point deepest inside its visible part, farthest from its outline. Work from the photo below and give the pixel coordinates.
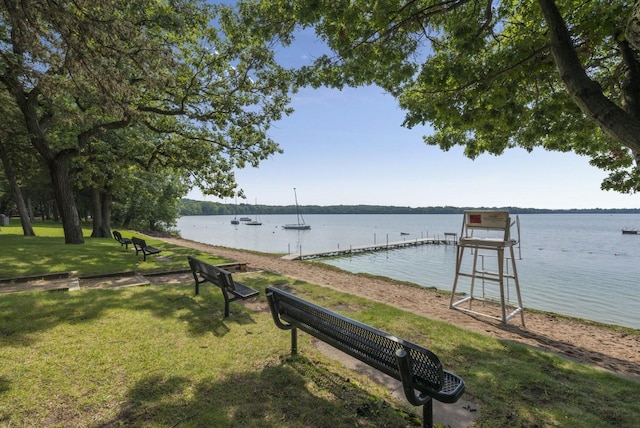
(191, 207)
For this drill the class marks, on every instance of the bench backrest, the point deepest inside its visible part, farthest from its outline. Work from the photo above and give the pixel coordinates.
(220, 277)
(225, 277)
(372, 346)
(139, 242)
(117, 236)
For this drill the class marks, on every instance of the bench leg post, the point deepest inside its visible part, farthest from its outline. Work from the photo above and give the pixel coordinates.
(226, 302)
(427, 414)
(294, 341)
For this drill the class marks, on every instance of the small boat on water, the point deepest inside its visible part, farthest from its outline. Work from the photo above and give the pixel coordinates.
(630, 232)
(300, 225)
(255, 222)
(235, 212)
(245, 219)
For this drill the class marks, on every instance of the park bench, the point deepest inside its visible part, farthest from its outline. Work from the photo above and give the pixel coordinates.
(416, 367)
(231, 290)
(123, 241)
(142, 247)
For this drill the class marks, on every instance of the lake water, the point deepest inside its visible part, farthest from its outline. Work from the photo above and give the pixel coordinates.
(573, 264)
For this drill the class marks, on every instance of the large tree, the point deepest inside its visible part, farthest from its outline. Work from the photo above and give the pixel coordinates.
(16, 162)
(491, 75)
(78, 70)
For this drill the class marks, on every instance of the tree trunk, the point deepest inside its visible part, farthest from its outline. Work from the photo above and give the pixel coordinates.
(32, 218)
(96, 211)
(4, 204)
(16, 192)
(58, 163)
(106, 214)
(101, 210)
(25, 219)
(63, 193)
(632, 31)
(587, 93)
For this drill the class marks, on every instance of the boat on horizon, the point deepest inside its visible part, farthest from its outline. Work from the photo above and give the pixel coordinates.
(630, 232)
(300, 225)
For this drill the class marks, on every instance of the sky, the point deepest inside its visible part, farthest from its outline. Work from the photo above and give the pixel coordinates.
(348, 148)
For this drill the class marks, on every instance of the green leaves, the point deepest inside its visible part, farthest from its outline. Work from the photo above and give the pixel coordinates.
(126, 87)
(482, 74)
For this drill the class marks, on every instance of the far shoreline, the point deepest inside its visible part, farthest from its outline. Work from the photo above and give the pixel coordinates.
(189, 207)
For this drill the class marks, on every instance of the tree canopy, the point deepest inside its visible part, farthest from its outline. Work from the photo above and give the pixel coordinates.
(185, 86)
(491, 75)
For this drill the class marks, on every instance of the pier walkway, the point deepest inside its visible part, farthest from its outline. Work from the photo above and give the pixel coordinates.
(370, 248)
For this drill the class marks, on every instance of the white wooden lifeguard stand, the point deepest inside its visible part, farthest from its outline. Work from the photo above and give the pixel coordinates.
(495, 227)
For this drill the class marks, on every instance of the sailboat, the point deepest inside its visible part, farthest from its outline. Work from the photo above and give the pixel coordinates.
(300, 225)
(254, 222)
(235, 212)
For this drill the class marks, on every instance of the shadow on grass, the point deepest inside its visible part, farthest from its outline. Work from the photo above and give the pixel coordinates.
(522, 386)
(24, 314)
(42, 254)
(570, 350)
(293, 394)
(35, 255)
(5, 384)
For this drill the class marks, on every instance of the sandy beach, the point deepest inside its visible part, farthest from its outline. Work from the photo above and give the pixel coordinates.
(616, 350)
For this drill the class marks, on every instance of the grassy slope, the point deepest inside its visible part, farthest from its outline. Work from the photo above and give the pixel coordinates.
(158, 356)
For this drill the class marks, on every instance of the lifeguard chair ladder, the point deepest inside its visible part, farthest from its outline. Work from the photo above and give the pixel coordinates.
(496, 225)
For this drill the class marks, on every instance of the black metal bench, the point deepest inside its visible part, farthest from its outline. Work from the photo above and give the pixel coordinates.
(142, 247)
(123, 241)
(231, 290)
(416, 367)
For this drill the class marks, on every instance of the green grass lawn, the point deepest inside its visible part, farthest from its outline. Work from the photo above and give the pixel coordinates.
(47, 253)
(158, 356)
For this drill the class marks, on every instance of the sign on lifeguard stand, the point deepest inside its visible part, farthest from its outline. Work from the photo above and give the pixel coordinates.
(487, 234)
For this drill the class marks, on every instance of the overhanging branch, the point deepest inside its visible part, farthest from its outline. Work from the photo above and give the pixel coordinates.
(585, 92)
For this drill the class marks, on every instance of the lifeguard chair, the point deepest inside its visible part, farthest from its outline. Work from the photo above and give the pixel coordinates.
(494, 226)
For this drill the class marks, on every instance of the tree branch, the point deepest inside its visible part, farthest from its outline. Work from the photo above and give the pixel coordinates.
(585, 92)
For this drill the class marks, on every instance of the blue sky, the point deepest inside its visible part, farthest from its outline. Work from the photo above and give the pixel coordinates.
(348, 147)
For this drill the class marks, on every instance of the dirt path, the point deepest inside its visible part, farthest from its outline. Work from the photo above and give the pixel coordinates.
(603, 347)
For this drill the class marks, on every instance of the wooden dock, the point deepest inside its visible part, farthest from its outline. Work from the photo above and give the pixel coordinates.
(370, 248)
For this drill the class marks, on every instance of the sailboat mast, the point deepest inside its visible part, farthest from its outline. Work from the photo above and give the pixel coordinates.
(295, 195)
(300, 225)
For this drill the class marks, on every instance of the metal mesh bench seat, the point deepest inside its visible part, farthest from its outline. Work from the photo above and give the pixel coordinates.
(231, 290)
(416, 367)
